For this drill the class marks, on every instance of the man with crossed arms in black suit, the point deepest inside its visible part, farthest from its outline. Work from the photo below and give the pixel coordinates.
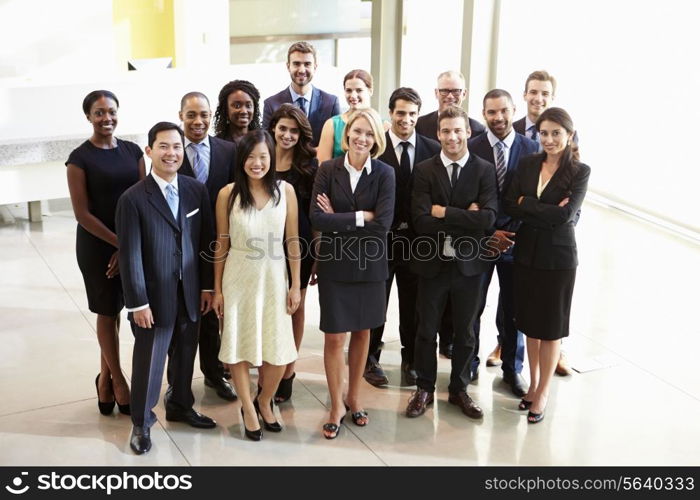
(211, 161)
(164, 226)
(454, 203)
(405, 148)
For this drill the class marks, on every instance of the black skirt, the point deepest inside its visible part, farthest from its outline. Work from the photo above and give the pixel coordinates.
(543, 301)
(104, 294)
(351, 306)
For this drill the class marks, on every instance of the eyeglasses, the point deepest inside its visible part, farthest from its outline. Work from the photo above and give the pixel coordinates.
(454, 92)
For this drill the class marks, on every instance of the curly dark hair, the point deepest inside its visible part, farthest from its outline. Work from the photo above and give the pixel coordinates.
(304, 152)
(222, 123)
(241, 186)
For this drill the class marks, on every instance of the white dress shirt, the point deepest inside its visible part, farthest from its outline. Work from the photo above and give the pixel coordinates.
(354, 179)
(507, 142)
(307, 96)
(190, 152)
(398, 148)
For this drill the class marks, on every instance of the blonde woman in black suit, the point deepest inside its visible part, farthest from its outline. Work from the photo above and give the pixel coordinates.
(352, 205)
(546, 194)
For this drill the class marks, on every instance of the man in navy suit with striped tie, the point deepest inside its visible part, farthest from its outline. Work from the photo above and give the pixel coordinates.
(164, 227)
(502, 146)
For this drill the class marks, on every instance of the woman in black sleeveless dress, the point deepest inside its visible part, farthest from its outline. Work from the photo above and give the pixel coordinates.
(99, 171)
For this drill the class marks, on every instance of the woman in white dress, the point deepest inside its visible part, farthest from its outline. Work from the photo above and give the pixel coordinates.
(252, 293)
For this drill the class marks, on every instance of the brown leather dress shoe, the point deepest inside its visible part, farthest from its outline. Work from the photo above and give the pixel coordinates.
(494, 358)
(374, 374)
(418, 403)
(467, 404)
(563, 367)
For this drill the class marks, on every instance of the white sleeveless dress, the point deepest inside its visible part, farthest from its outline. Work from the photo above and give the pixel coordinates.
(256, 325)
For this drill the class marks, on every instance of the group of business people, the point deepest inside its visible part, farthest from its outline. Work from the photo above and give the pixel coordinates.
(216, 246)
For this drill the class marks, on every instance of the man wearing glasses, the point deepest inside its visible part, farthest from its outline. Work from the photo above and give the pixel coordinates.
(450, 91)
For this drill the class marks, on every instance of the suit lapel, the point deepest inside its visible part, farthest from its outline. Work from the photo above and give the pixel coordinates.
(157, 200)
(342, 178)
(442, 177)
(365, 182)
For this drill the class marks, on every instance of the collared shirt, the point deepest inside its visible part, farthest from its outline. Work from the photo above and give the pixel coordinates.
(190, 152)
(307, 96)
(398, 148)
(507, 142)
(447, 248)
(528, 124)
(354, 179)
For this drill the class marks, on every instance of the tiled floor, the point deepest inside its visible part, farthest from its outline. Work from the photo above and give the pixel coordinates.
(635, 339)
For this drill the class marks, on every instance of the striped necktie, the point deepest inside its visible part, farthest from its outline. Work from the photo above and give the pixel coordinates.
(172, 198)
(201, 162)
(500, 164)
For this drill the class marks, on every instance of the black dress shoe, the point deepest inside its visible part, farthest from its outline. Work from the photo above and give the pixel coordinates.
(140, 441)
(192, 417)
(516, 382)
(446, 350)
(222, 387)
(374, 374)
(474, 375)
(408, 374)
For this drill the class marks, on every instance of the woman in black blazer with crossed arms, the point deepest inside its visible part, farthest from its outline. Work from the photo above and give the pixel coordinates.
(352, 205)
(546, 194)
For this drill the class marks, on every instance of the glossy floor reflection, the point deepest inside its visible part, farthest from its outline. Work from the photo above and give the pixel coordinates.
(635, 398)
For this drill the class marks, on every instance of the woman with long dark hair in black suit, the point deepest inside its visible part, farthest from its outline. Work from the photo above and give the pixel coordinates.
(295, 163)
(546, 193)
(353, 206)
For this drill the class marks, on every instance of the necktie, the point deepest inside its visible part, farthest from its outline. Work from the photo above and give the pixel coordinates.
(201, 162)
(301, 102)
(405, 163)
(500, 164)
(533, 133)
(172, 198)
(455, 174)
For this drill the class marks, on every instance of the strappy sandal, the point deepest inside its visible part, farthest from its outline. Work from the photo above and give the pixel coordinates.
(357, 416)
(284, 390)
(333, 428)
(535, 418)
(524, 404)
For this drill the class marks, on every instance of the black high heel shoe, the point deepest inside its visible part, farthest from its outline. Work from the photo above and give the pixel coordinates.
(252, 435)
(105, 408)
(284, 390)
(274, 426)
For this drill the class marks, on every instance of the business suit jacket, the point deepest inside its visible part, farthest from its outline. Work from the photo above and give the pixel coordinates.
(425, 148)
(546, 238)
(155, 249)
(519, 126)
(341, 237)
(323, 106)
(222, 162)
(522, 146)
(427, 125)
(431, 186)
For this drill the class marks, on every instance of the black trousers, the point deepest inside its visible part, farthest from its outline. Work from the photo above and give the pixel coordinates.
(464, 294)
(407, 286)
(209, 345)
(151, 347)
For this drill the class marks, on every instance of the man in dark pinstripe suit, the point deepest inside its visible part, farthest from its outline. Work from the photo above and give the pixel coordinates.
(164, 227)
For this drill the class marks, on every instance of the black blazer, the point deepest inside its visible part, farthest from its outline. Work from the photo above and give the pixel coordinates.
(431, 186)
(155, 249)
(546, 238)
(348, 252)
(222, 162)
(427, 125)
(323, 106)
(519, 126)
(425, 148)
(522, 146)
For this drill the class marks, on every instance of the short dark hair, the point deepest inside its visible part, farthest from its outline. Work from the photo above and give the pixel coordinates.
(303, 47)
(221, 120)
(495, 94)
(542, 76)
(454, 112)
(160, 127)
(241, 186)
(94, 96)
(405, 94)
(192, 94)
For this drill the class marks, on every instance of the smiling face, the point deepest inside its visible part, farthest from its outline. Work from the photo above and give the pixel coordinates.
(357, 93)
(103, 116)
(257, 164)
(498, 113)
(450, 92)
(404, 118)
(240, 109)
(453, 134)
(539, 96)
(301, 67)
(553, 137)
(166, 154)
(286, 133)
(195, 116)
(360, 137)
